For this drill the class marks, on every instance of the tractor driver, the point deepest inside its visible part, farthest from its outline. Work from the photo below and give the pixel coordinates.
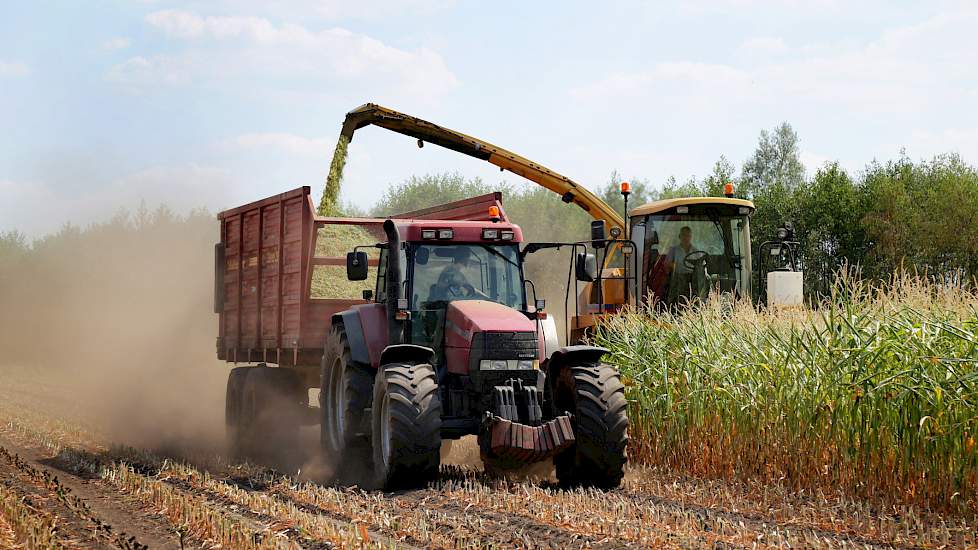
(683, 279)
(453, 281)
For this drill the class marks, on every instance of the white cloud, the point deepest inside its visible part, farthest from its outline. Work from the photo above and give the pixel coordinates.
(703, 7)
(288, 143)
(12, 69)
(907, 69)
(117, 43)
(681, 76)
(158, 70)
(763, 45)
(222, 48)
(327, 9)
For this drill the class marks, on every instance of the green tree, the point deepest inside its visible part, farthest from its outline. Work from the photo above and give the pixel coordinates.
(775, 162)
(773, 178)
(416, 192)
(920, 216)
(829, 226)
(722, 174)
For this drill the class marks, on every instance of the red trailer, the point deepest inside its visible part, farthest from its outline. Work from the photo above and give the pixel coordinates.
(414, 328)
(269, 252)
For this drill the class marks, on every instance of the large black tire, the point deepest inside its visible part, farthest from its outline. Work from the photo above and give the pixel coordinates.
(273, 403)
(345, 393)
(595, 396)
(232, 410)
(406, 430)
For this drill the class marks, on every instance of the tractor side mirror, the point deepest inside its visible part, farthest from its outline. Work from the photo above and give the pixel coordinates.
(368, 295)
(586, 267)
(598, 232)
(540, 305)
(356, 266)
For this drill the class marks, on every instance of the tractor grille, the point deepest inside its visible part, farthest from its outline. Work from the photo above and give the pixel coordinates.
(510, 345)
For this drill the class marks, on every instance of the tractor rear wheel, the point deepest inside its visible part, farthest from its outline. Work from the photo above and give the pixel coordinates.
(595, 396)
(345, 393)
(406, 425)
(272, 405)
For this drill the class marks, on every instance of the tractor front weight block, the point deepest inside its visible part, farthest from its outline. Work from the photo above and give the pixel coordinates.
(515, 442)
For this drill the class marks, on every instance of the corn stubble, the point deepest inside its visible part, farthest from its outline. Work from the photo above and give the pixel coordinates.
(873, 394)
(247, 506)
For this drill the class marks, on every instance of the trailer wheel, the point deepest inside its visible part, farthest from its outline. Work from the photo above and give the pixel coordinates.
(272, 405)
(345, 393)
(232, 410)
(406, 425)
(595, 396)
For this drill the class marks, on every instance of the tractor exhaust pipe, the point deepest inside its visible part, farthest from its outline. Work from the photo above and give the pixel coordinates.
(393, 285)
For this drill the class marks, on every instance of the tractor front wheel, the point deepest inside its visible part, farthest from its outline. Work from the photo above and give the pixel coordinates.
(595, 396)
(406, 425)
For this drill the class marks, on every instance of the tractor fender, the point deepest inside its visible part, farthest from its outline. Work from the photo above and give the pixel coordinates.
(350, 319)
(406, 353)
(573, 355)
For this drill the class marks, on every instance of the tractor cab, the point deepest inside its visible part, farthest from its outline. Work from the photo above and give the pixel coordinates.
(688, 248)
(461, 280)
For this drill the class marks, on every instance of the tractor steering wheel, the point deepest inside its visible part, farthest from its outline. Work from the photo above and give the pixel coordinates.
(694, 259)
(460, 291)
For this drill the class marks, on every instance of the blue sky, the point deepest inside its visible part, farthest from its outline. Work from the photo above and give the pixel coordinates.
(104, 104)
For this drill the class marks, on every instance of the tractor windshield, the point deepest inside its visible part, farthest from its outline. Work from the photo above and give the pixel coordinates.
(441, 273)
(687, 256)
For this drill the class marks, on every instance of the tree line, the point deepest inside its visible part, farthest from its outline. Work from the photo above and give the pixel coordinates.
(890, 216)
(898, 215)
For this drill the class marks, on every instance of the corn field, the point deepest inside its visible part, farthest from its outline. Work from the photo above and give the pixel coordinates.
(873, 393)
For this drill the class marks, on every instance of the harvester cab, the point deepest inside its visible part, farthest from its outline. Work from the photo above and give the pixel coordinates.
(677, 251)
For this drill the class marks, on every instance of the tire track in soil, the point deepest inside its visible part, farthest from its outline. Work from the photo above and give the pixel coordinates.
(530, 532)
(756, 522)
(80, 520)
(534, 534)
(258, 487)
(257, 520)
(250, 519)
(111, 507)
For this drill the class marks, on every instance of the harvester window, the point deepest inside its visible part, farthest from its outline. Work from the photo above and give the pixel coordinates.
(689, 255)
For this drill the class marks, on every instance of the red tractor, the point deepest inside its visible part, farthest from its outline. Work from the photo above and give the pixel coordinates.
(443, 343)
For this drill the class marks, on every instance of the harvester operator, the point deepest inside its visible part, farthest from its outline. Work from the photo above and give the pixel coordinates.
(683, 279)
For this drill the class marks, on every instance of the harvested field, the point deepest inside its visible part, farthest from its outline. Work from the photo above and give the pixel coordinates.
(67, 485)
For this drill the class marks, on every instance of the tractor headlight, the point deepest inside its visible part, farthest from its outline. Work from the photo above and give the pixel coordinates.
(509, 364)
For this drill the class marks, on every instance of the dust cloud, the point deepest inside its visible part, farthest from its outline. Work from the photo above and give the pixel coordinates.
(116, 323)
